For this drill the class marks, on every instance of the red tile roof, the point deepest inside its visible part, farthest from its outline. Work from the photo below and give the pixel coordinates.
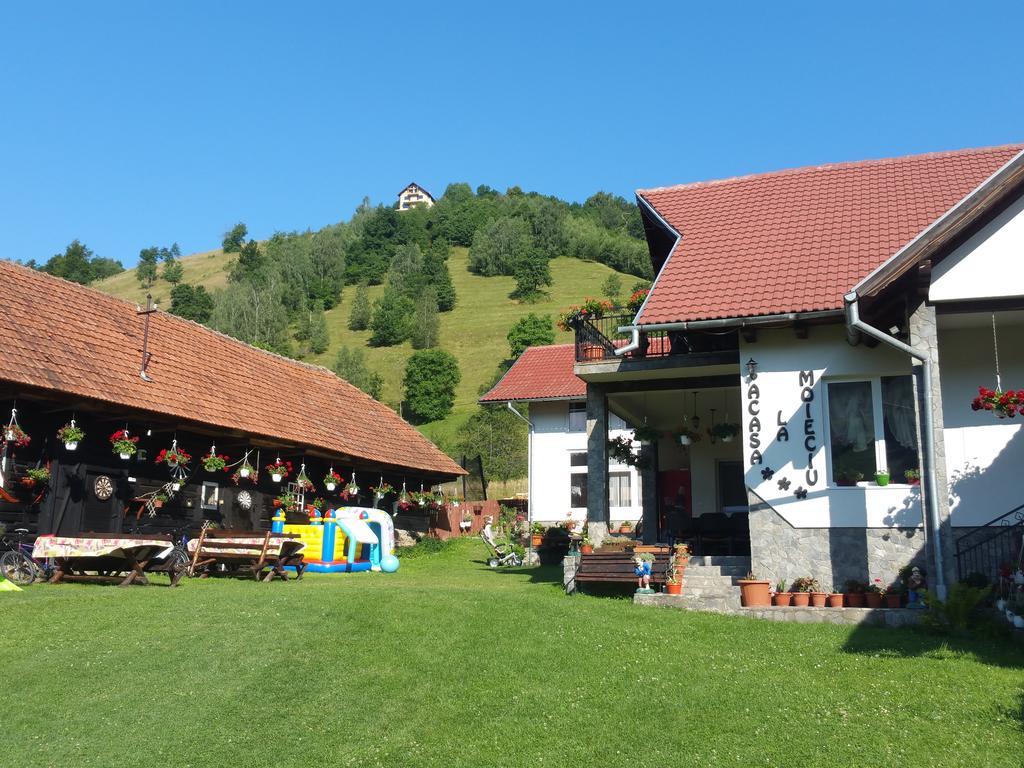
(63, 337)
(540, 373)
(797, 240)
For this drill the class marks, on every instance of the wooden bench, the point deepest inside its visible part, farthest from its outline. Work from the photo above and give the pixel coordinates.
(618, 567)
(234, 553)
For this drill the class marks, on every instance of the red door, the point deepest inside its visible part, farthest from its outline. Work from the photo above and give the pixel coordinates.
(674, 509)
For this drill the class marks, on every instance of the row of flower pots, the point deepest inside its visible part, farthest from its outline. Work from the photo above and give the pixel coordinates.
(806, 592)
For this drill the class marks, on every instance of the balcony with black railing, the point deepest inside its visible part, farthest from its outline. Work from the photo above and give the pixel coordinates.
(987, 548)
(597, 338)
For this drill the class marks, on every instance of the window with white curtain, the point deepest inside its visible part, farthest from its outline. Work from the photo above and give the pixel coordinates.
(872, 425)
(619, 489)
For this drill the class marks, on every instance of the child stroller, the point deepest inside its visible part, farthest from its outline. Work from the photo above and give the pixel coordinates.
(500, 554)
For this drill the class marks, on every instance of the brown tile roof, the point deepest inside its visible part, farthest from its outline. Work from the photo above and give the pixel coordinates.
(63, 337)
(540, 373)
(797, 240)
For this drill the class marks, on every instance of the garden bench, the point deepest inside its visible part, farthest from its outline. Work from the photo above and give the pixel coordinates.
(234, 553)
(617, 567)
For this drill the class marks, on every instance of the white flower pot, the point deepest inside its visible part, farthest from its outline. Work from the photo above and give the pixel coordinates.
(330, 486)
(684, 440)
(728, 438)
(125, 456)
(175, 486)
(276, 477)
(243, 472)
(1000, 604)
(9, 434)
(71, 446)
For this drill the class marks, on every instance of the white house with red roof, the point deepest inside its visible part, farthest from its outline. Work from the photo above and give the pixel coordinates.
(543, 378)
(842, 317)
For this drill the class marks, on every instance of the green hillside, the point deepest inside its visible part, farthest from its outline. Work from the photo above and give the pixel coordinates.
(474, 331)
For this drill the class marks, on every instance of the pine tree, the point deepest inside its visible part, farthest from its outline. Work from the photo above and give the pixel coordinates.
(436, 274)
(362, 311)
(426, 325)
(319, 338)
(351, 366)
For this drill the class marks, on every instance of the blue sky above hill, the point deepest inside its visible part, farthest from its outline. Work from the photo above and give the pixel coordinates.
(134, 124)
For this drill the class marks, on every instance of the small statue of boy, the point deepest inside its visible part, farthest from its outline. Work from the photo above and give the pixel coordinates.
(915, 585)
(642, 569)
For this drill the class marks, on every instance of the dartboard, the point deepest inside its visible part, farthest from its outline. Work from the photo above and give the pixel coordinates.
(103, 488)
(244, 499)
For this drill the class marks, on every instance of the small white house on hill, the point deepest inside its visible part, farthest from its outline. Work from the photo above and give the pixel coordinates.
(543, 378)
(414, 195)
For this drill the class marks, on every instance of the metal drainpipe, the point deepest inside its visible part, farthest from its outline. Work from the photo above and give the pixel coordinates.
(930, 494)
(529, 478)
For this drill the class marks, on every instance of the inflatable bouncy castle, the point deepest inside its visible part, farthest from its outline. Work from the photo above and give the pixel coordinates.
(345, 540)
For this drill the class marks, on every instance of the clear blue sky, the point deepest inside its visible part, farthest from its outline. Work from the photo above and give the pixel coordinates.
(143, 123)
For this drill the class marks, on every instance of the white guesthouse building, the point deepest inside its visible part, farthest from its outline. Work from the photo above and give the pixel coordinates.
(844, 316)
(543, 378)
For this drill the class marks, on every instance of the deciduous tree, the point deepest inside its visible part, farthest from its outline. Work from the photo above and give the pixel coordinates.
(531, 330)
(431, 376)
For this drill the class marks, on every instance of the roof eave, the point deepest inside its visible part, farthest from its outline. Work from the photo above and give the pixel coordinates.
(945, 228)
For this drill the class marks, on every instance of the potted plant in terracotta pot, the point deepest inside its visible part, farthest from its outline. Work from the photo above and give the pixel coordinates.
(855, 593)
(754, 592)
(586, 547)
(673, 582)
(874, 594)
(781, 596)
(536, 535)
(835, 599)
(894, 595)
(818, 597)
(159, 499)
(913, 476)
(801, 591)
(625, 526)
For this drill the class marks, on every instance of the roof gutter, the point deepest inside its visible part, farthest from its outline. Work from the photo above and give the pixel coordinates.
(725, 322)
(929, 497)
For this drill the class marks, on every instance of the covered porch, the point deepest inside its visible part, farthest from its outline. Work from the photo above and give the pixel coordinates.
(687, 449)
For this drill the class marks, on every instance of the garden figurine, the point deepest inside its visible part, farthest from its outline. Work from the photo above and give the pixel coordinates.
(642, 569)
(915, 585)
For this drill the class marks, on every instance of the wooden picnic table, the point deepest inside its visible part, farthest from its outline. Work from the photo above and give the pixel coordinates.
(233, 553)
(113, 558)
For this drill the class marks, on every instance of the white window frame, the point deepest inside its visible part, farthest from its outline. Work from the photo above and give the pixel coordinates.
(628, 474)
(576, 470)
(881, 460)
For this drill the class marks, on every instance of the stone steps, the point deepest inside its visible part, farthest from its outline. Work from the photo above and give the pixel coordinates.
(709, 583)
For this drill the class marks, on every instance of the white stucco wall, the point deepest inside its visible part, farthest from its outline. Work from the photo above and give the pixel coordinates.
(780, 397)
(550, 469)
(988, 265)
(984, 455)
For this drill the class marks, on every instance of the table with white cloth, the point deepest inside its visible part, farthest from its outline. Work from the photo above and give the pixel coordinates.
(115, 558)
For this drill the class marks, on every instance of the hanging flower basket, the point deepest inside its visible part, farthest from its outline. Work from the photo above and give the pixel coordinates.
(71, 435)
(1005, 404)
(351, 490)
(382, 490)
(123, 445)
(214, 462)
(279, 470)
(246, 470)
(16, 436)
(173, 457)
(286, 502)
(726, 431)
(687, 436)
(646, 434)
(332, 480)
(303, 481)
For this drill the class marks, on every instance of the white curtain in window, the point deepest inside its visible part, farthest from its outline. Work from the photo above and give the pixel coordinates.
(850, 416)
(898, 409)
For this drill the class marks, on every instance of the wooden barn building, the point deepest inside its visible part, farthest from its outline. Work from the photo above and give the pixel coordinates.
(68, 352)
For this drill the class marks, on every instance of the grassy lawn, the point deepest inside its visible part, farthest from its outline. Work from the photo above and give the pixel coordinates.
(447, 663)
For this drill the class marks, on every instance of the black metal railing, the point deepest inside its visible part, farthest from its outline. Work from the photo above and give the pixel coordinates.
(984, 549)
(597, 338)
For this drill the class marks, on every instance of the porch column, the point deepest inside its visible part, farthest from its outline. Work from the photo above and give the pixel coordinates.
(597, 463)
(649, 491)
(924, 335)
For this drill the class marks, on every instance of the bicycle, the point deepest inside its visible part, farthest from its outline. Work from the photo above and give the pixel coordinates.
(17, 564)
(178, 560)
